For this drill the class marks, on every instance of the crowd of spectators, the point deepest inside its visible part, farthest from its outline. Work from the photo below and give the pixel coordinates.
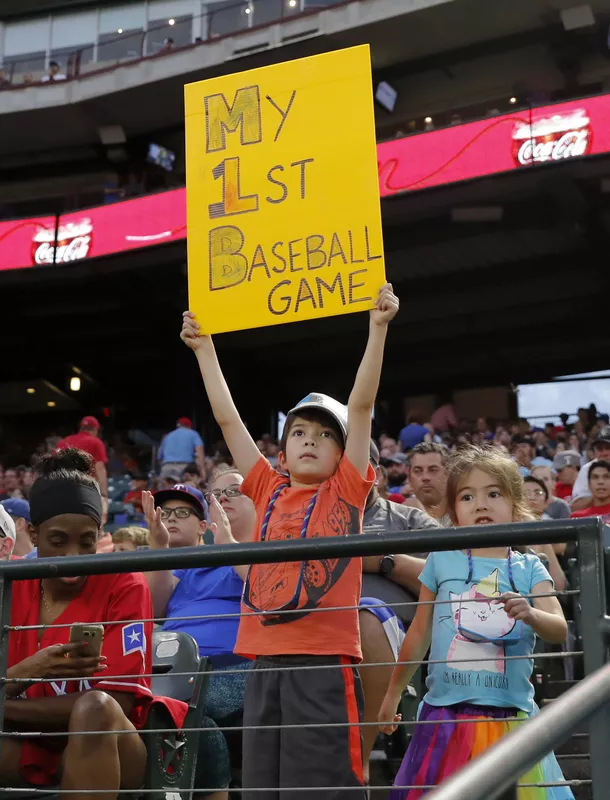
(556, 455)
(566, 471)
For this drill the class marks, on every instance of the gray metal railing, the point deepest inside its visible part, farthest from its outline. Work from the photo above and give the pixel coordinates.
(230, 19)
(594, 622)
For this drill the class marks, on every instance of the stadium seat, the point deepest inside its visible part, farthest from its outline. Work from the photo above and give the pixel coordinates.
(174, 653)
(172, 755)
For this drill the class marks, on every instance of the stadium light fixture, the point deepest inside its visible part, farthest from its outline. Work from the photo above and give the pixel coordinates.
(31, 390)
(580, 16)
(292, 3)
(51, 403)
(428, 120)
(120, 30)
(112, 134)
(172, 21)
(513, 100)
(75, 384)
(386, 96)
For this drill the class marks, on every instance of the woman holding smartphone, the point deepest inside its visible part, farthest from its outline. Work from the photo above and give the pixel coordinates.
(66, 511)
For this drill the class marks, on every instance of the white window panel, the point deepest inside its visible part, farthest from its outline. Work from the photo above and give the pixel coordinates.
(128, 17)
(26, 37)
(168, 9)
(73, 29)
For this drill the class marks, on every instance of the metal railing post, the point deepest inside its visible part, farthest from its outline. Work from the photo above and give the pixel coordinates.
(5, 620)
(592, 608)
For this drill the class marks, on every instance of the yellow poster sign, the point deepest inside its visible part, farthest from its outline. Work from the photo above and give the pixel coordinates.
(284, 221)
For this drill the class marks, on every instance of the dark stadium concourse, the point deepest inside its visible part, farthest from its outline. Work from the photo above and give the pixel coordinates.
(515, 299)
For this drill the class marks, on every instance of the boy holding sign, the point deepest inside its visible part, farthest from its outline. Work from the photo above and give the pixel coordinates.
(329, 478)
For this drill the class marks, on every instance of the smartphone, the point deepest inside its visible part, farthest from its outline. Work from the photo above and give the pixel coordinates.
(92, 634)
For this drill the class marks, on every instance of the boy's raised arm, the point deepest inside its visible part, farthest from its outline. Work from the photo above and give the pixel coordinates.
(362, 398)
(241, 445)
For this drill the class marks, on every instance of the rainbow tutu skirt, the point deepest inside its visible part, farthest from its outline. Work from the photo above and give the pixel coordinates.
(438, 751)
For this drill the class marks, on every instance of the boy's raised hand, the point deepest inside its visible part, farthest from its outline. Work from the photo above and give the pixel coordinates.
(159, 535)
(386, 306)
(190, 331)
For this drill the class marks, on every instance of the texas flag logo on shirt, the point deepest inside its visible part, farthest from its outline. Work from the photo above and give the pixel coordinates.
(134, 639)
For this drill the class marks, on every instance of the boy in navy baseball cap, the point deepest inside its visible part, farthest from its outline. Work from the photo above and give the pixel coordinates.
(183, 511)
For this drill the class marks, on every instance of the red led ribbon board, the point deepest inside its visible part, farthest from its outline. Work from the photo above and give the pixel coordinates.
(511, 142)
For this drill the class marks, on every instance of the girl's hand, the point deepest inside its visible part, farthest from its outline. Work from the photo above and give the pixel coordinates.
(386, 306)
(518, 607)
(190, 331)
(387, 712)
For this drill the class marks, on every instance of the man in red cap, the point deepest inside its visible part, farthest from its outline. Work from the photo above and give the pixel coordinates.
(179, 448)
(87, 439)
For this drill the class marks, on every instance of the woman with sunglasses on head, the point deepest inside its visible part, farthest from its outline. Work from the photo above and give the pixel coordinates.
(83, 692)
(536, 495)
(176, 518)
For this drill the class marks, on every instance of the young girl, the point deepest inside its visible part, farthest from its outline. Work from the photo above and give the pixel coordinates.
(482, 620)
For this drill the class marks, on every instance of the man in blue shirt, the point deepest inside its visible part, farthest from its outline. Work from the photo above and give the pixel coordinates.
(414, 432)
(179, 448)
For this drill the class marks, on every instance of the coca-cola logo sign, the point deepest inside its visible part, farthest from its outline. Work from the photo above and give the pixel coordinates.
(552, 138)
(73, 243)
(73, 251)
(499, 143)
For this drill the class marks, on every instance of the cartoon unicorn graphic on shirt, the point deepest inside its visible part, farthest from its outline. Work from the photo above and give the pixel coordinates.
(482, 618)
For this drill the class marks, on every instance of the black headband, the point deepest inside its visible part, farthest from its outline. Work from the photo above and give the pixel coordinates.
(50, 498)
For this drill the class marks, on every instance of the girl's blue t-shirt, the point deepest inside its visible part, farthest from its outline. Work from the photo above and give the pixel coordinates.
(463, 676)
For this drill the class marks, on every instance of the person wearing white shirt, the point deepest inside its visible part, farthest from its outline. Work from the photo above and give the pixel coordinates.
(54, 73)
(581, 496)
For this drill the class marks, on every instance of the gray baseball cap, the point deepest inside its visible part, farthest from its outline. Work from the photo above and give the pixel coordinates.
(602, 436)
(7, 526)
(569, 458)
(330, 406)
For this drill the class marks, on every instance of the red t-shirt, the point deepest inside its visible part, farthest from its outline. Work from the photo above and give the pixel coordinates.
(396, 497)
(326, 583)
(135, 498)
(127, 647)
(594, 511)
(85, 441)
(563, 490)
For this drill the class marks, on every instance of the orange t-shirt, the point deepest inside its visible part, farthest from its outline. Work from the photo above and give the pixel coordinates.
(326, 583)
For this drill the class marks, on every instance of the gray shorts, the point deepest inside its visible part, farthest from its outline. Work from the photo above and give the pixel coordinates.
(174, 469)
(279, 760)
